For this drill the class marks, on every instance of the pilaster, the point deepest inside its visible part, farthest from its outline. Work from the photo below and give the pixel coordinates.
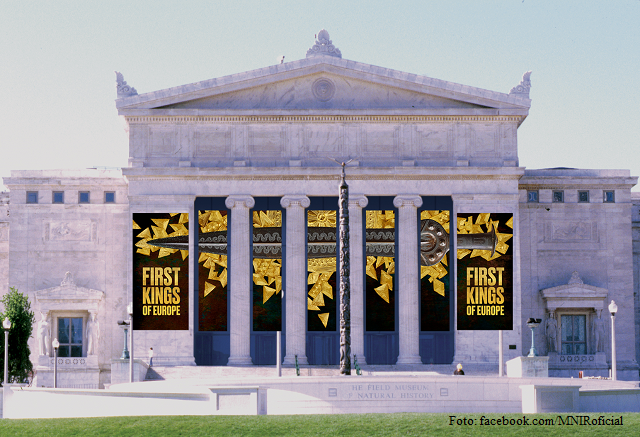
(296, 278)
(408, 279)
(240, 279)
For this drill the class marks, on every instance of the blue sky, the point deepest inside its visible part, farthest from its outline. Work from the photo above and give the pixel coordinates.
(57, 62)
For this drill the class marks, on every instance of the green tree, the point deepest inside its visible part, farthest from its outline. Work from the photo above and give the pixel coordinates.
(18, 309)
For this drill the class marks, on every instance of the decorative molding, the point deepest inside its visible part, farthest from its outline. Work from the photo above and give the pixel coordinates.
(246, 119)
(522, 89)
(323, 89)
(403, 200)
(394, 177)
(123, 89)
(575, 294)
(358, 200)
(587, 186)
(239, 200)
(571, 231)
(299, 200)
(323, 47)
(71, 230)
(69, 297)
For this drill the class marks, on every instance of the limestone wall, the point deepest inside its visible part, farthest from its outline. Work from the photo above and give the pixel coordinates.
(592, 238)
(88, 240)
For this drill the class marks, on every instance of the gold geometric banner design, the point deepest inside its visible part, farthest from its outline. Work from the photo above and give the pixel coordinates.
(320, 269)
(439, 270)
(267, 272)
(466, 226)
(160, 231)
(213, 221)
(381, 220)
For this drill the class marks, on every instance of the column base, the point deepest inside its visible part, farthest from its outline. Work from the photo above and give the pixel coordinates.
(240, 361)
(290, 360)
(409, 359)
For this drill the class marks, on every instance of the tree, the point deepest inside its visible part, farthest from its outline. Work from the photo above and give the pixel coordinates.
(18, 309)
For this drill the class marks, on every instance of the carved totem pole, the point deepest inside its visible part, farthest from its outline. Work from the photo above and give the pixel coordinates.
(345, 295)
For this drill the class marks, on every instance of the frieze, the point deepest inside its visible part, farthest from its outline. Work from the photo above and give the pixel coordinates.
(70, 230)
(247, 119)
(325, 178)
(571, 231)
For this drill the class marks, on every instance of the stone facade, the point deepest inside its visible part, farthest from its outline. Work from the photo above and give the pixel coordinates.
(271, 133)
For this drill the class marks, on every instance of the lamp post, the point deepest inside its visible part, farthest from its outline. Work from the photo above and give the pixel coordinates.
(613, 309)
(130, 312)
(533, 324)
(6, 324)
(125, 350)
(56, 344)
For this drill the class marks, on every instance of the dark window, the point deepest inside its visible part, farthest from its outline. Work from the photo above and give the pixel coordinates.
(574, 334)
(70, 336)
(58, 197)
(583, 196)
(83, 197)
(532, 196)
(32, 197)
(609, 196)
(109, 197)
(558, 196)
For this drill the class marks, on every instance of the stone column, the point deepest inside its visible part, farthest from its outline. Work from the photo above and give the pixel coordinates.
(356, 203)
(296, 279)
(408, 277)
(240, 279)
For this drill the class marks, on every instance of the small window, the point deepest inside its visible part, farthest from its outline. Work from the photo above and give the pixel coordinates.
(558, 196)
(532, 196)
(70, 336)
(83, 197)
(58, 197)
(574, 334)
(609, 196)
(32, 197)
(583, 196)
(109, 197)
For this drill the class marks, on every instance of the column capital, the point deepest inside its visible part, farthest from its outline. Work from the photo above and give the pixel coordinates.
(239, 200)
(358, 200)
(290, 200)
(402, 200)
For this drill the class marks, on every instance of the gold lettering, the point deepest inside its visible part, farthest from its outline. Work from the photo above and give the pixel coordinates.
(176, 295)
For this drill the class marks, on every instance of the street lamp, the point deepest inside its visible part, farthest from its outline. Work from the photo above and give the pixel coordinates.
(130, 312)
(613, 309)
(6, 324)
(56, 344)
(533, 324)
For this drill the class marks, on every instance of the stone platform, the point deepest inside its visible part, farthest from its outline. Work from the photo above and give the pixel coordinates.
(257, 390)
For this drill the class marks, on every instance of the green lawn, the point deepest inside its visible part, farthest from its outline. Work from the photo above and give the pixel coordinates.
(404, 424)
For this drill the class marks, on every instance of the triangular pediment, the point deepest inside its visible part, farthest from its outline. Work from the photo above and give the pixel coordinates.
(68, 296)
(324, 84)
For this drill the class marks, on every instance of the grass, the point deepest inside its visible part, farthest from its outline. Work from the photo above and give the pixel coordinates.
(399, 424)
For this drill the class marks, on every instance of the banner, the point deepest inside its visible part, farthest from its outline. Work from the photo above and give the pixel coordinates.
(485, 271)
(160, 271)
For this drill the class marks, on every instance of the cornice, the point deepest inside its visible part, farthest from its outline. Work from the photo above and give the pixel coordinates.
(268, 119)
(585, 186)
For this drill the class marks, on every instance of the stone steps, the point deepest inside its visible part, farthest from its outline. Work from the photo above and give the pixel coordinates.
(157, 373)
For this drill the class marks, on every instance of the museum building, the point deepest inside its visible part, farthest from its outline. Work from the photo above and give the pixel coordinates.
(223, 230)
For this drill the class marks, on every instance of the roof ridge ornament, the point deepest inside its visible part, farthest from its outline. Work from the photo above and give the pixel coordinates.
(522, 89)
(123, 89)
(575, 279)
(68, 280)
(323, 46)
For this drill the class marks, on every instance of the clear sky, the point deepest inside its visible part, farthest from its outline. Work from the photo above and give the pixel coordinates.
(57, 62)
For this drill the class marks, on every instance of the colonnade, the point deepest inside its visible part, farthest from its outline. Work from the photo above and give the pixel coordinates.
(295, 287)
